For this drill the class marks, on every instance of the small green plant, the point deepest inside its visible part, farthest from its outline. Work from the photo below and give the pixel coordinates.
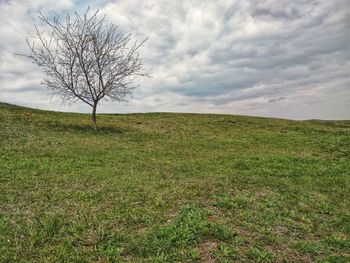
(226, 252)
(260, 255)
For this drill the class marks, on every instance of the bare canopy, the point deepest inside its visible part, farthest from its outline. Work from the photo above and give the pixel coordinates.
(86, 58)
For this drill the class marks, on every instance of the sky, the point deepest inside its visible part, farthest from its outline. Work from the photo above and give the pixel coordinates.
(272, 58)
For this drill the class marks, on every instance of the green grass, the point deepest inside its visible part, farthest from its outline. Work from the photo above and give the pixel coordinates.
(166, 187)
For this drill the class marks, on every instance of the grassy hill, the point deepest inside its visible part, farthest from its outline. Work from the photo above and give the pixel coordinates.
(166, 187)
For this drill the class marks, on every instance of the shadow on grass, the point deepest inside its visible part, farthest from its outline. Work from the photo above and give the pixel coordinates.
(86, 128)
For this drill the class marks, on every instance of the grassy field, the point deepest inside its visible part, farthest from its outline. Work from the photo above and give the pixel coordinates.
(166, 187)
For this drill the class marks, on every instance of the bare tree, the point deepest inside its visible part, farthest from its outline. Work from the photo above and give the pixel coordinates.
(86, 58)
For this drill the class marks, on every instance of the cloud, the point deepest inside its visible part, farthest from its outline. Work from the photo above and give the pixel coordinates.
(276, 99)
(257, 57)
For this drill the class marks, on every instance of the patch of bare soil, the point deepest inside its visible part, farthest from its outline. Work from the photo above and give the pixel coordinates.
(205, 250)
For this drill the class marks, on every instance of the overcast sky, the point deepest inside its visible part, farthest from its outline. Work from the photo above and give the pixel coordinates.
(278, 58)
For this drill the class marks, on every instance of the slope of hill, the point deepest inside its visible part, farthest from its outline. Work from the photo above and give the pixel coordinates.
(166, 187)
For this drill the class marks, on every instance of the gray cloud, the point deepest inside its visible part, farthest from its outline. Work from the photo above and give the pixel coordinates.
(259, 57)
(276, 99)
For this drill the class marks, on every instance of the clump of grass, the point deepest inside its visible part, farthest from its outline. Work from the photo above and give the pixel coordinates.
(177, 240)
(240, 200)
(338, 242)
(257, 254)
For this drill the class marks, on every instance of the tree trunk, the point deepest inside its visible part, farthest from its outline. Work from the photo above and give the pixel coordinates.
(94, 116)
